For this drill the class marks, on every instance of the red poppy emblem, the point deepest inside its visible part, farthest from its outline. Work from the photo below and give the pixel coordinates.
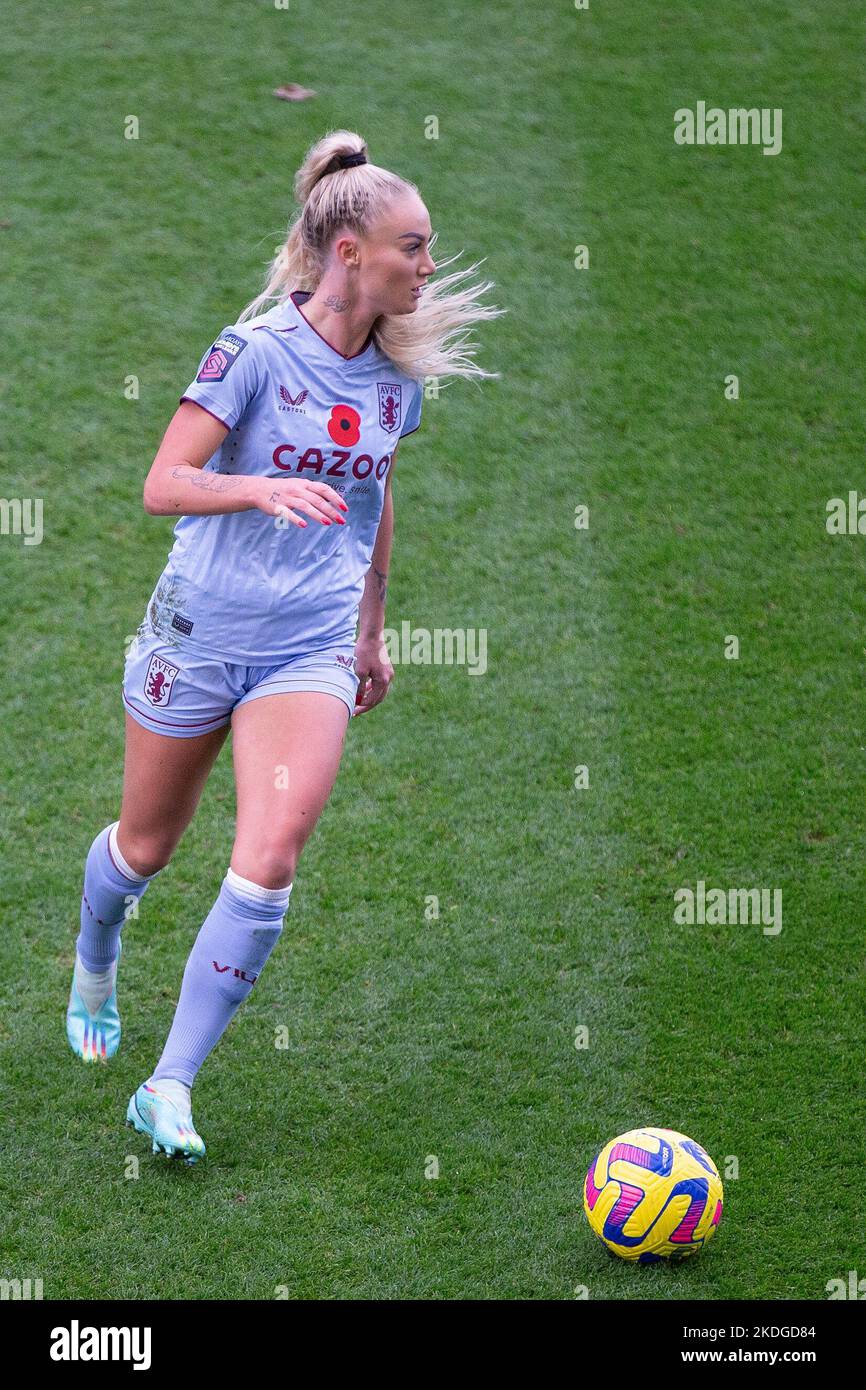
(344, 425)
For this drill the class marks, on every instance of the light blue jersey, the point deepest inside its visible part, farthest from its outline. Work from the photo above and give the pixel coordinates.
(244, 586)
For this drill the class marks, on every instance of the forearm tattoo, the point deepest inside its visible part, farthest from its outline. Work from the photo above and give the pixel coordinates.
(208, 482)
(382, 577)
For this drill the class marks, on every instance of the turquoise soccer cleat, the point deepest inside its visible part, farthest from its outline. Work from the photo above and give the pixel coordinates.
(93, 1037)
(161, 1110)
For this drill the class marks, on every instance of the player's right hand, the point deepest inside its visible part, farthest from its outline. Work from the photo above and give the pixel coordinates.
(285, 496)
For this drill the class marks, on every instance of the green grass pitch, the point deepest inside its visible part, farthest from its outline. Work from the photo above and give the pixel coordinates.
(408, 1039)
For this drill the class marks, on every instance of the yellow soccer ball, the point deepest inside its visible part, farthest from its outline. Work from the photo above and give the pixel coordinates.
(653, 1194)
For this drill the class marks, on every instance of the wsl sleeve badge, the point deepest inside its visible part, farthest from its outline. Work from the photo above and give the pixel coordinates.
(222, 357)
(651, 1195)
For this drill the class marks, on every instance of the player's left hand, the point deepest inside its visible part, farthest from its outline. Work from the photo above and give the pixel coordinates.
(375, 671)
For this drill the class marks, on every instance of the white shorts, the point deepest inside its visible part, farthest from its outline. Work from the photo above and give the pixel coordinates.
(180, 694)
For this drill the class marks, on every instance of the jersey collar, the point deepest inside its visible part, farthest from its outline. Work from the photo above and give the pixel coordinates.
(296, 315)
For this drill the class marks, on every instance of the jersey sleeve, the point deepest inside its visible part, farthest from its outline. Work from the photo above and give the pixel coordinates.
(228, 377)
(412, 418)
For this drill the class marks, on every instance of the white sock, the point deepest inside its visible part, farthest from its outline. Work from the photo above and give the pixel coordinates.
(114, 849)
(177, 1091)
(94, 986)
(246, 885)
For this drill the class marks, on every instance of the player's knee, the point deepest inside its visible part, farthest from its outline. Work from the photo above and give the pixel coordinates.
(268, 865)
(147, 854)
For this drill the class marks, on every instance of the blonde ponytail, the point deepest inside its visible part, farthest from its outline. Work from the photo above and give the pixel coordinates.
(432, 341)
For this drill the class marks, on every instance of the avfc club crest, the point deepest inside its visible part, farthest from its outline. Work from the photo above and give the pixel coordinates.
(390, 406)
(159, 680)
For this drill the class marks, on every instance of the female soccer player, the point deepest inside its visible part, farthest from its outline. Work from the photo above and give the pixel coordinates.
(291, 423)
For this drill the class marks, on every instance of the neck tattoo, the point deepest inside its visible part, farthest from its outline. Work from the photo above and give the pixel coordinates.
(336, 304)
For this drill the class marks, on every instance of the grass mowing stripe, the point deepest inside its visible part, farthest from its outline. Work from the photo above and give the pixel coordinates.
(715, 513)
(403, 1038)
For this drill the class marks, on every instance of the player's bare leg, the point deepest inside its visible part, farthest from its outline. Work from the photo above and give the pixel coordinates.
(302, 732)
(287, 751)
(163, 781)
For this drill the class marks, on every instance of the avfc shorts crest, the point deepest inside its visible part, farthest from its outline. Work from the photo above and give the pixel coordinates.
(159, 680)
